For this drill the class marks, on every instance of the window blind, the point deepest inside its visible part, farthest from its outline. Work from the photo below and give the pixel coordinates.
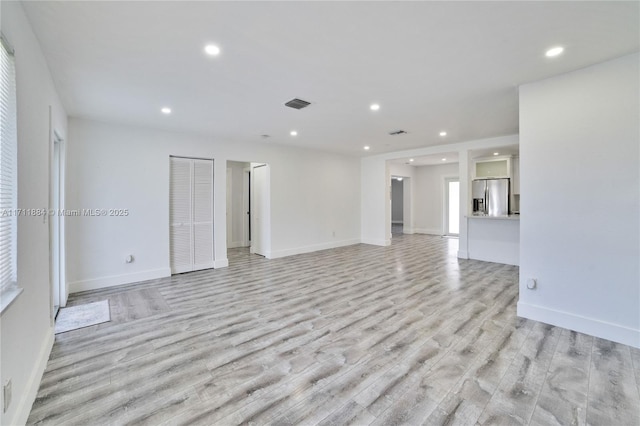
(8, 169)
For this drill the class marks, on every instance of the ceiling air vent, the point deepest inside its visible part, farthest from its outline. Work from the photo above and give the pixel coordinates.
(397, 132)
(297, 103)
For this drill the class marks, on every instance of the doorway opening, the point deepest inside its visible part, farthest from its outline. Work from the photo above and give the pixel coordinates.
(452, 206)
(397, 205)
(55, 226)
(248, 207)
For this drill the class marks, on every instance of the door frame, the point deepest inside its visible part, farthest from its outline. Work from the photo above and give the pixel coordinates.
(57, 270)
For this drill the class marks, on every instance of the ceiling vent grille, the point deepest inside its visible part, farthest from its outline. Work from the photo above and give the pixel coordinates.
(297, 103)
(397, 132)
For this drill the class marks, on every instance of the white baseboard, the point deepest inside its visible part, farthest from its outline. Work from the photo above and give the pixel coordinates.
(114, 280)
(428, 231)
(23, 409)
(311, 248)
(462, 254)
(221, 263)
(407, 230)
(591, 326)
(376, 242)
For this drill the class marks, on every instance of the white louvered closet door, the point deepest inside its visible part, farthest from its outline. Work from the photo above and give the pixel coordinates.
(180, 216)
(202, 214)
(191, 214)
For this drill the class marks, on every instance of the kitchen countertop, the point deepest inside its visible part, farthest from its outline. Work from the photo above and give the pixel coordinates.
(510, 217)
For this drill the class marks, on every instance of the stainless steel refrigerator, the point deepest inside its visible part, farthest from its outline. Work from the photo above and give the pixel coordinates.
(490, 197)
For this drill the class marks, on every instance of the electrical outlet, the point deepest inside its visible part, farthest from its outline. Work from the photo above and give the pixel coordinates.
(6, 395)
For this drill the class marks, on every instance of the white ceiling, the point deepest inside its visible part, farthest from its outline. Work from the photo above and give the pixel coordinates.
(430, 65)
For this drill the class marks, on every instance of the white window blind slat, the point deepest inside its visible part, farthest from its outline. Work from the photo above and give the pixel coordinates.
(8, 171)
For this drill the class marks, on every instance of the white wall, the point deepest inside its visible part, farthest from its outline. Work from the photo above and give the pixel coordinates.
(580, 166)
(429, 197)
(375, 203)
(313, 195)
(26, 326)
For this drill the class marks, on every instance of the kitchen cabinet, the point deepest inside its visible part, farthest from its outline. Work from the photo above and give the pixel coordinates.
(492, 168)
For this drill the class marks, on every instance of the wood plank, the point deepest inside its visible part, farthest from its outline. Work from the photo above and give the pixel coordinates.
(613, 393)
(405, 334)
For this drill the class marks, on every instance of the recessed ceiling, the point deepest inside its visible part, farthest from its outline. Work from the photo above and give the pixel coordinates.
(452, 157)
(432, 65)
(429, 160)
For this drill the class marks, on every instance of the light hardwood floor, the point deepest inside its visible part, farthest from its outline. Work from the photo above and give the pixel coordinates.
(406, 334)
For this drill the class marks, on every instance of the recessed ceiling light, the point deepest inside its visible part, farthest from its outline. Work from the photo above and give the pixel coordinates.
(411, 160)
(367, 148)
(496, 153)
(443, 133)
(444, 159)
(166, 110)
(554, 51)
(374, 107)
(212, 49)
(293, 133)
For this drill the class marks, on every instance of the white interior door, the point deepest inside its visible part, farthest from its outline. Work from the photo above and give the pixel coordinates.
(229, 211)
(260, 231)
(246, 207)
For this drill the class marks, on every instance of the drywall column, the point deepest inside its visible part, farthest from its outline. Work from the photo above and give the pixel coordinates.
(375, 202)
(465, 201)
(220, 211)
(580, 181)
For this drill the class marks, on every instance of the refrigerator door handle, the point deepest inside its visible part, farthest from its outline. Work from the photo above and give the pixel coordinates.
(486, 199)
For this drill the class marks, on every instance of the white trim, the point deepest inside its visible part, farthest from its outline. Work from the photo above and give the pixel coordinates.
(23, 407)
(220, 263)
(311, 248)
(114, 280)
(463, 254)
(407, 230)
(591, 326)
(428, 231)
(376, 242)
